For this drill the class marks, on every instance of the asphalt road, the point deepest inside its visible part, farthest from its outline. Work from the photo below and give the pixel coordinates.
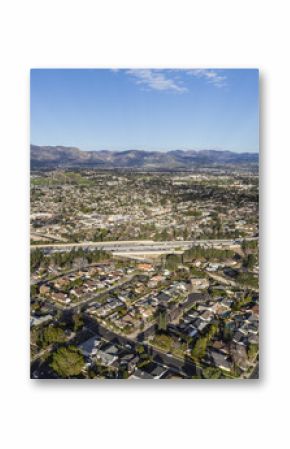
(135, 245)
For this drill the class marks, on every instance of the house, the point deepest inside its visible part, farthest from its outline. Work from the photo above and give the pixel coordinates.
(77, 292)
(191, 331)
(155, 370)
(150, 371)
(222, 310)
(145, 267)
(61, 282)
(199, 283)
(197, 297)
(157, 278)
(220, 360)
(105, 358)
(240, 357)
(38, 321)
(89, 347)
(90, 286)
(207, 316)
(61, 297)
(110, 349)
(239, 338)
(163, 297)
(253, 339)
(129, 361)
(201, 326)
(212, 267)
(44, 289)
(138, 374)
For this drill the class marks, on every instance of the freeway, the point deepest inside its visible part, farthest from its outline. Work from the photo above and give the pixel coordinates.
(146, 253)
(137, 245)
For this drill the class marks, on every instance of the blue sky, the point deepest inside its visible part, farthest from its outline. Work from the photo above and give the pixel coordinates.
(149, 109)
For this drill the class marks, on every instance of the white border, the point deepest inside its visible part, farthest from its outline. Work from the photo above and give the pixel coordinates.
(153, 34)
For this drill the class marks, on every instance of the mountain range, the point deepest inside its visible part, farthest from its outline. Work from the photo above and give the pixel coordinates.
(49, 157)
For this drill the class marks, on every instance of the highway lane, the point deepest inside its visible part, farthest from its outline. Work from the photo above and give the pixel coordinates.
(137, 245)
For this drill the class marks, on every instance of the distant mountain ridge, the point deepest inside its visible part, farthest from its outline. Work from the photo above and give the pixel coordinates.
(45, 157)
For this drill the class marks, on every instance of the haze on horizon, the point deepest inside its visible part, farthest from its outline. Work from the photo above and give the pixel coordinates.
(146, 109)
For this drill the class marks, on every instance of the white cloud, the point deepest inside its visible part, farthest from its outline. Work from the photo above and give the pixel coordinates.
(211, 76)
(156, 80)
(171, 79)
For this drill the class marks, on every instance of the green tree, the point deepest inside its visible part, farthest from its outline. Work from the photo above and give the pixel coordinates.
(172, 262)
(53, 335)
(211, 372)
(199, 349)
(250, 261)
(213, 330)
(252, 350)
(34, 290)
(36, 257)
(77, 322)
(67, 362)
(140, 349)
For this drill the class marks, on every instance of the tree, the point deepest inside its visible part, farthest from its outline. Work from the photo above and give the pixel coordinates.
(123, 373)
(199, 349)
(162, 318)
(212, 372)
(213, 330)
(250, 261)
(252, 350)
(53, 335)
(34, 290)
(67, 362)
(185, 234)
(77, 322)
(140, 349)
(172, 261)
(36, 257)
